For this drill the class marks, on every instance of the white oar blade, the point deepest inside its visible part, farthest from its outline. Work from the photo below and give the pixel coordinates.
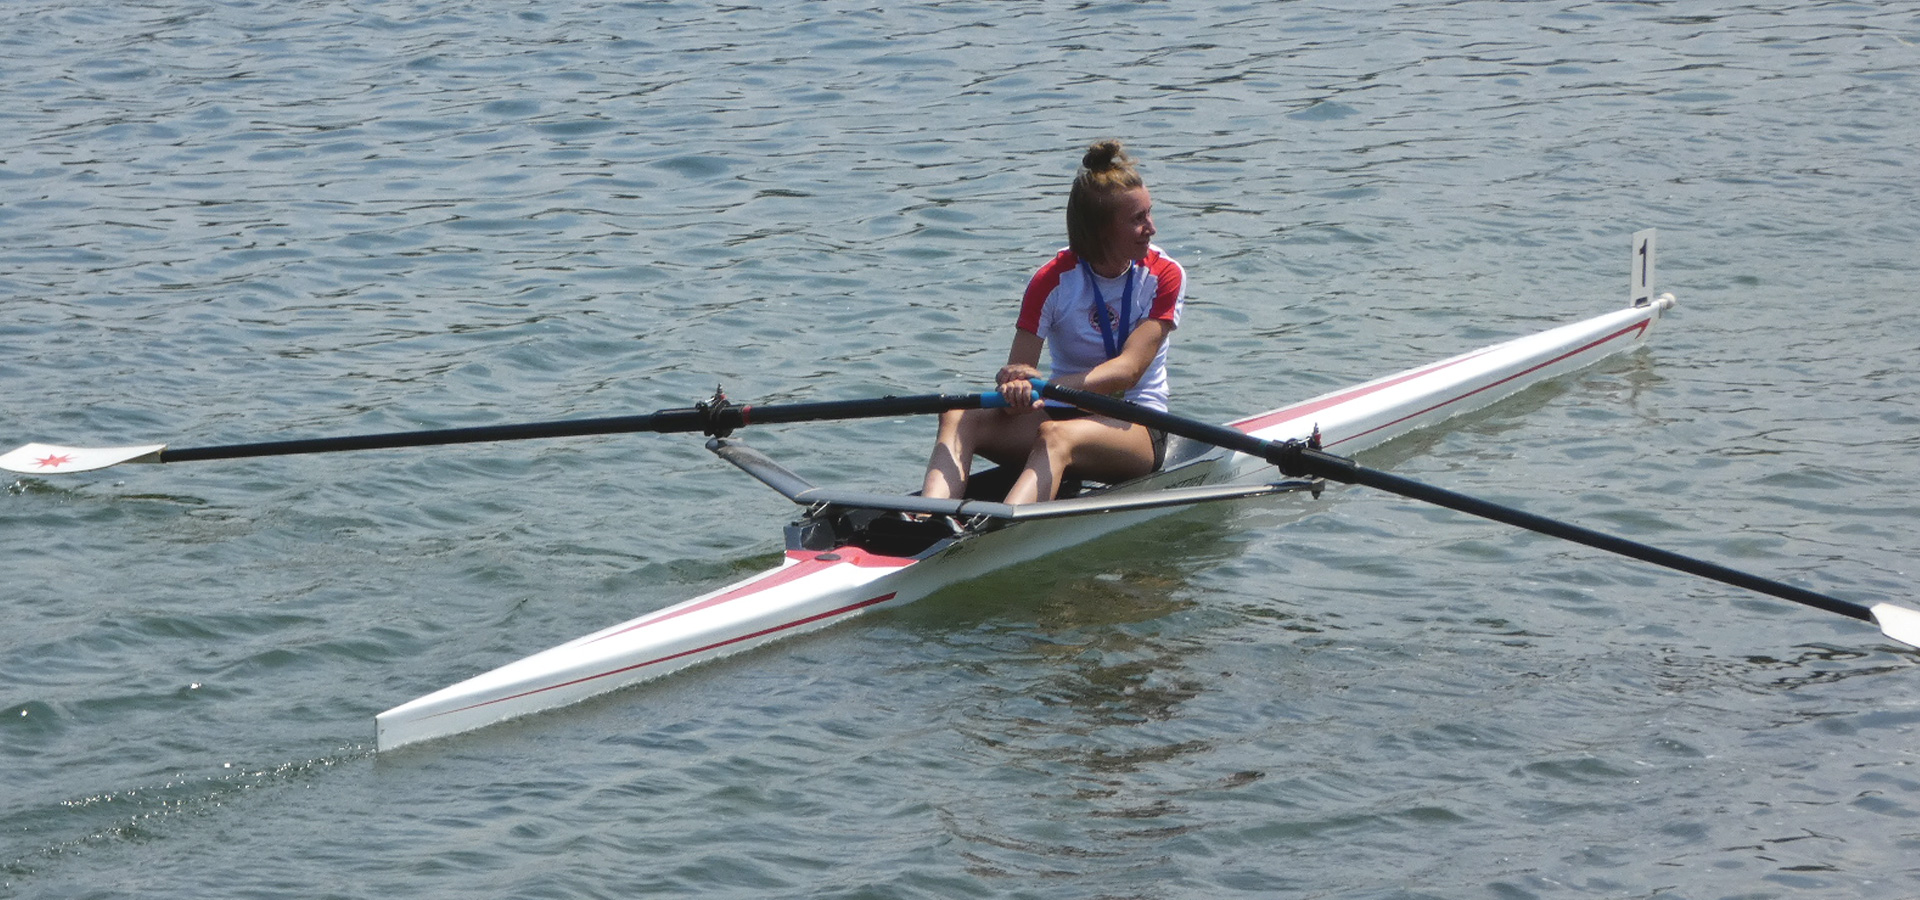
(52, 459)
(1898, 622)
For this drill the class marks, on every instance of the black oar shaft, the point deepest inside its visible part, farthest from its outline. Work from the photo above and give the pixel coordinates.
(1565, 530)
(665, 420)
(1295, 458)
(877, 408)
(718, 418)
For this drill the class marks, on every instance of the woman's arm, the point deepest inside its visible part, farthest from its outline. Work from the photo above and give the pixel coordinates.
(1119, 374)
(1023, 362)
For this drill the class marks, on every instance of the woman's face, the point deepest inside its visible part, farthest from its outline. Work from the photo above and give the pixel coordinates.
(1132, 227)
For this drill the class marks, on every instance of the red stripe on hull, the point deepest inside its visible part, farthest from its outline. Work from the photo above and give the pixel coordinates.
(673, 656)
(1292, 413)
(1637, 328)
(807, 562)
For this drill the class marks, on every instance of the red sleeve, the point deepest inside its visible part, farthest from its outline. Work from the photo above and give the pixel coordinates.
(1041, 287)
(1171, 289)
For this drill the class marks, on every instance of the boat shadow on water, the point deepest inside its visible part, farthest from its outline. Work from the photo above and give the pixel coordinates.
(1134, 575)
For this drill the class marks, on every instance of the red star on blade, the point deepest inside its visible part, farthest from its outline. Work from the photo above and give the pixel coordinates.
(51, 461)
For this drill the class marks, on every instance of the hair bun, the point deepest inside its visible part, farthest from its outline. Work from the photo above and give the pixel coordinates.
(1103, 156)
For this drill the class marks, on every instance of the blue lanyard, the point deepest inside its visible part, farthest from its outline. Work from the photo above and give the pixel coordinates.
(1104, 313)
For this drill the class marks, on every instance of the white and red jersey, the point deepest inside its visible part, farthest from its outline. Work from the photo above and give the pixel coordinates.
(1060, 307)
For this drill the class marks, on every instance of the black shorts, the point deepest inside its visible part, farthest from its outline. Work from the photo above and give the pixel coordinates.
(1158, 437)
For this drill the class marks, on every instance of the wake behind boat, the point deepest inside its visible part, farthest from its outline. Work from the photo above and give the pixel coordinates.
(851, 552)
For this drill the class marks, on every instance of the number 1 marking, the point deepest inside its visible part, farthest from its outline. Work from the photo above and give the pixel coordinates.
(1641, 290)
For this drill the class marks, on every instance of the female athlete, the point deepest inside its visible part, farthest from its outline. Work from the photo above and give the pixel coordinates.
(1104, 307)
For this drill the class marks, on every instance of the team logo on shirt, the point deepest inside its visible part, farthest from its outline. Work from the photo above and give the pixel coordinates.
(1093, 317)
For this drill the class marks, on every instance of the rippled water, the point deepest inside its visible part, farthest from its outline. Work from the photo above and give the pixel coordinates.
(231, 221)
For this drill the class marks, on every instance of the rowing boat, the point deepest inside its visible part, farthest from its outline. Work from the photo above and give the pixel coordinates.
(854, 551)
(851, 552)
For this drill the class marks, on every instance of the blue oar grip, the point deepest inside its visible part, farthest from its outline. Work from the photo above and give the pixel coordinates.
(996, 400)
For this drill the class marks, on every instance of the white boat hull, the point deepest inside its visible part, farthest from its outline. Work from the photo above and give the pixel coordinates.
(813, 589)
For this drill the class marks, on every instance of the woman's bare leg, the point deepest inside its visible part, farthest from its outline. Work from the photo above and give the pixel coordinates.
(1099, 448)
(994, 433)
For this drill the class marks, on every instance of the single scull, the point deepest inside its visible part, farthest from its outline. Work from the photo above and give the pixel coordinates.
(851, 552)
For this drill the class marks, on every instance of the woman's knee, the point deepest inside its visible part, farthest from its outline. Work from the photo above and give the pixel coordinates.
(1057, 437)
(956, 423)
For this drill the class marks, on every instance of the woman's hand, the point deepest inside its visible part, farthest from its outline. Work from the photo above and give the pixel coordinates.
(1016, 388)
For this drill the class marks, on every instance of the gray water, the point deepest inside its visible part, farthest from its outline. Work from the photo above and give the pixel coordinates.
(237, 221)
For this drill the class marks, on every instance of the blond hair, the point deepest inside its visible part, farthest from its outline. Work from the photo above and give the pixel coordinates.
(1106, 172)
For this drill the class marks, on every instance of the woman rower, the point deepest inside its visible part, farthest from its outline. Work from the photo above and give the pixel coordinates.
(1105, 306)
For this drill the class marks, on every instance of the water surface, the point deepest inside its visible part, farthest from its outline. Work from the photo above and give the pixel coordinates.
(231, 221)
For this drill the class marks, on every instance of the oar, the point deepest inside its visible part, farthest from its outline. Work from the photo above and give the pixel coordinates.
(1296, 458)
(716, 417)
